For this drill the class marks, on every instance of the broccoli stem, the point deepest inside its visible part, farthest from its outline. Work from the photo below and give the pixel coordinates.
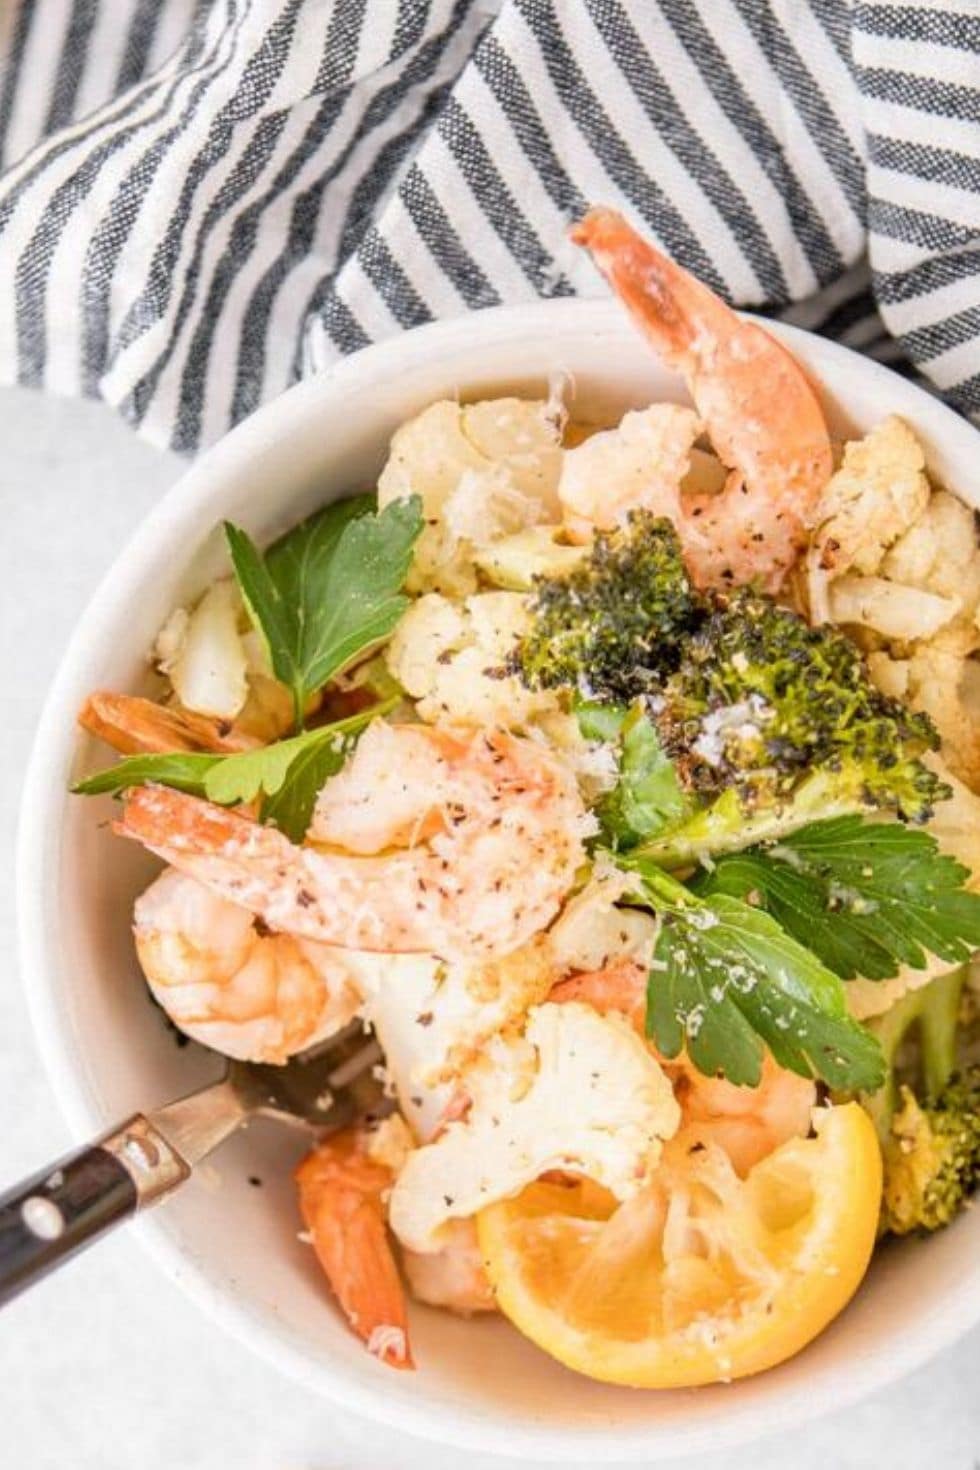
(725, 826)
(932, 1013)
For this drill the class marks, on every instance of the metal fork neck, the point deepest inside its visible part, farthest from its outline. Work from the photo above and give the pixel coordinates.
(195, 1125)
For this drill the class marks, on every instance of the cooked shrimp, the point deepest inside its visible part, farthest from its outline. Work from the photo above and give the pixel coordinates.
(760, 413)
(135, 726)
(452, 1277)
(341, 1197)
(489, 829)
(619, 986)
(226, 982)
(747, 1122)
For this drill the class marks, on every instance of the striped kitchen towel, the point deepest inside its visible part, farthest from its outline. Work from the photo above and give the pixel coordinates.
(204, 200)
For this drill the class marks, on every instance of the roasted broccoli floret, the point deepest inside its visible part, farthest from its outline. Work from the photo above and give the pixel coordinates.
(927, 1115)
(774, 724)
(932, 1158)
(769, 723)
(760, 698)
(612, 627)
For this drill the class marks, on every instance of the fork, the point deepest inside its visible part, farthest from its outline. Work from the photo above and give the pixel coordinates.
(49, 1217)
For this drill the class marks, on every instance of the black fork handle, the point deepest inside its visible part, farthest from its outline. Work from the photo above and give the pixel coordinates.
(55, 1213)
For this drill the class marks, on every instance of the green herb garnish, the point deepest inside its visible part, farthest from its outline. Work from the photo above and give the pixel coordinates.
(329, 591)
(727, 978)
(866, 897)
(648, 796)
(287, 775)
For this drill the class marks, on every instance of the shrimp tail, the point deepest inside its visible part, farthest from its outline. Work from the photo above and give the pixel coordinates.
(136, 726)
(761, 414)
(341, 1192)
(165, 820)
(661, 297)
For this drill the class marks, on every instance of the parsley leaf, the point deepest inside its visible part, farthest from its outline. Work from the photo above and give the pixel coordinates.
(184, 770)
(648, 797)
(865, 897)
(288, 774)
(330, 590)
(290, 806)
(726, 978)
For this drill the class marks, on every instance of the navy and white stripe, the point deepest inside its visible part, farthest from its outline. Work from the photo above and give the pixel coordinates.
(203, 200)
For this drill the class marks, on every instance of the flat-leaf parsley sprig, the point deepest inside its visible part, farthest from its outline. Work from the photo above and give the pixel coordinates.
(866, 897)
(287, 776)
(727, 979)
(329, 591)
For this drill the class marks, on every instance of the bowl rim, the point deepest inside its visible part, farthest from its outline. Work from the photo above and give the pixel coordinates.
(179, 510)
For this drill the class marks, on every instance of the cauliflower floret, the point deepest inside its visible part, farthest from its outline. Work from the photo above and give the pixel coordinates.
(450, 658)
(890, 608)
(867, 998)
(939, 552)
(890, 675)
(432, 1016)
(960, 636)
(485, 507)
(203, 653)
(639, 464)
(483, 471)
(595, 763)
(432, 629)
(525, 434)
(879, 491)
(935, 685)
(955, 823)
(928, 585)
(591, 932)
(577, 1091)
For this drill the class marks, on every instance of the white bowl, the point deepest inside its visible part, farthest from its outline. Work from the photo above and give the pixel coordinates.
(234, 1248)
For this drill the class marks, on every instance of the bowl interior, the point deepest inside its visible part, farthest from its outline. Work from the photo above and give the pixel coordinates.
(234, 1245)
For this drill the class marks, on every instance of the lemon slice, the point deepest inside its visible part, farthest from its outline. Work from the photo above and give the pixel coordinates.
(703, 1277)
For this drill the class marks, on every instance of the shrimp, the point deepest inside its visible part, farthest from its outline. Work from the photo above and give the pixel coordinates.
(747, 1122)
(135, 726)
(342, 1190)
(488, 831)
(228, 983)
(453, 1277)
(761, 415)
(619, 986)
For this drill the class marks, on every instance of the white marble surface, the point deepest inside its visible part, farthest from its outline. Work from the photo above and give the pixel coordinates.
(106, 1367)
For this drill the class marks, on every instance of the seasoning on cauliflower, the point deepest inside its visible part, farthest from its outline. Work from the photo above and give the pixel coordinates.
(879, 491)
(639, 465)
(578, 1091)
(432, 1015)
(483, 471)
(204, 655)
(935, 688)
(592, 933)
(452, 658)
